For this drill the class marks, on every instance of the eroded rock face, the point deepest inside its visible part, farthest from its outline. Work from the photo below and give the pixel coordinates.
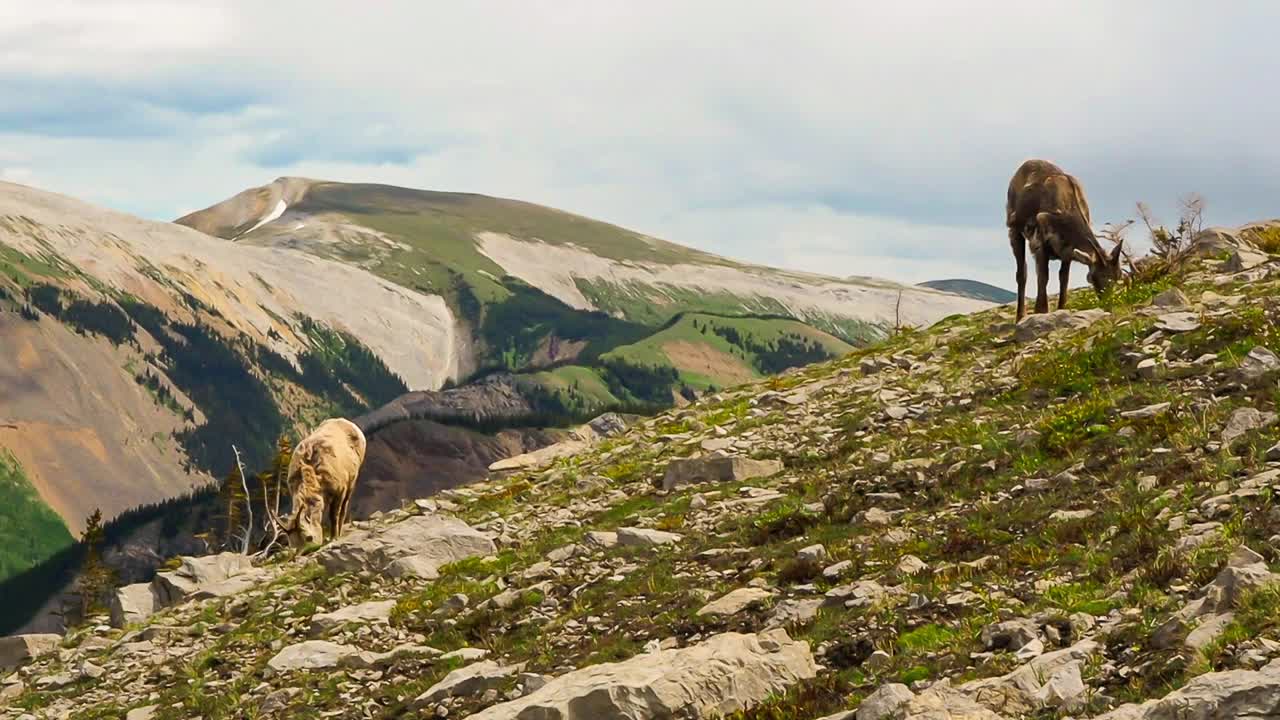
(721, 675)
(717, 469)
(1249, 694)
(1038, 325)
(435, 539)
(196, 574)
(18, 650)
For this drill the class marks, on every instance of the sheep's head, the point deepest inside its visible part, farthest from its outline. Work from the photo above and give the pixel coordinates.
(1106, 271)
(306, 527)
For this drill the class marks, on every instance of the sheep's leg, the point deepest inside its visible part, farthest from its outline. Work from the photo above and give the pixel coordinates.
(332, 511)
(1064, 278)
(1042, 281)
(1019, 245)
(344, 509)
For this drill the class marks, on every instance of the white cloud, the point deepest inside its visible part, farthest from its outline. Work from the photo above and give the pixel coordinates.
(834, 137)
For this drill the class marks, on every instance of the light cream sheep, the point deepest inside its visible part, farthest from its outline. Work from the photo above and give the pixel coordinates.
(322, 478)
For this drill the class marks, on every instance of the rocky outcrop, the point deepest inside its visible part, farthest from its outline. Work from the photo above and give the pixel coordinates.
(721, 675)
(434, 540)
(196, 578)
(1246, 694)
(18, 650)
(716, 469)
(1038, 325)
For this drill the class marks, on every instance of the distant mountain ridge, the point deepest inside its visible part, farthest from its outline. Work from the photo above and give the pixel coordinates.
(144, 351)
(973, 289)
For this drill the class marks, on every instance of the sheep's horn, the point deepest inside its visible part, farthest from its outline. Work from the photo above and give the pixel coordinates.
(1084, 257)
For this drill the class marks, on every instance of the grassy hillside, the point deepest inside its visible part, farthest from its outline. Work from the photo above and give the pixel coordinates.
(31, 531)
(941, 495)
(717, 351)
(973, 289)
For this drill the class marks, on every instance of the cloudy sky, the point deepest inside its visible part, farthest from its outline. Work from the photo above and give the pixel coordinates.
(844, 137)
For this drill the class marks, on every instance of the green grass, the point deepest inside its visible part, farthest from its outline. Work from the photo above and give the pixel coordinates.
(30, 531)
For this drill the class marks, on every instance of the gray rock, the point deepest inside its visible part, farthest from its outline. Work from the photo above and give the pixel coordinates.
(369, 613)
(1010, 634)
(311, 655)
(735, 601)
(793, 612)
(884, 702)
(1022, 691)
(1178, 322)
(1256, 365)
(146, 712)
(18, 650)
(1252, 694)
(716, 469)
(831, 572)
(1146, 412)
(645, 537)
(601, 539)
(467, 681)
(194, 575)
(1039, 325)
(1064, 689)
(132, 604)
(435, 539)
(1243, 259)
(1171, 298)
(414, 566)
(719, 676)
(811, 553)
(1245, 420)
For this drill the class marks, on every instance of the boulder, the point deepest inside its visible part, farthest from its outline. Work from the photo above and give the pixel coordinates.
(132, 604)
(470, 680)
(1171, 298)
(1010, 634)
(1244, 259)
(197, 574)
(1178, 322)
(644, 537)
(794, 612)
(884, 702)
(434, 539)
(721, 675)
(18, 650)
(1256, 365)
(1038, 325)
(942, 702)
(369, 613)
(716, 469)
(323, 654)
(1229, 694)
(1245, 420)
(1023, 690)
(735, 601)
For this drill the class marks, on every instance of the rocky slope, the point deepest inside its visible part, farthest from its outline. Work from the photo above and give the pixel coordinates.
(1072, 517)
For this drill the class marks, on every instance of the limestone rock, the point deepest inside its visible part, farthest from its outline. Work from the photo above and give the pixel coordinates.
(1257, 364)
(1178, 322)
(716, 469)
(368, 613)
(884, 702)
(437, 539)
(645, 537)
(472, 679)
(794, 612)
(1038, 325)
(18, 650)
(1229, 694)
(132, 604)
(1023, 690)
(311, 655)
(1010, 634)
(1244, 420)
(196, 574)
(735, 601)
(721, 675)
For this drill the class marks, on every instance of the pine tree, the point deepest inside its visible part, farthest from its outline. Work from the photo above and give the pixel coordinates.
(96, 579)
